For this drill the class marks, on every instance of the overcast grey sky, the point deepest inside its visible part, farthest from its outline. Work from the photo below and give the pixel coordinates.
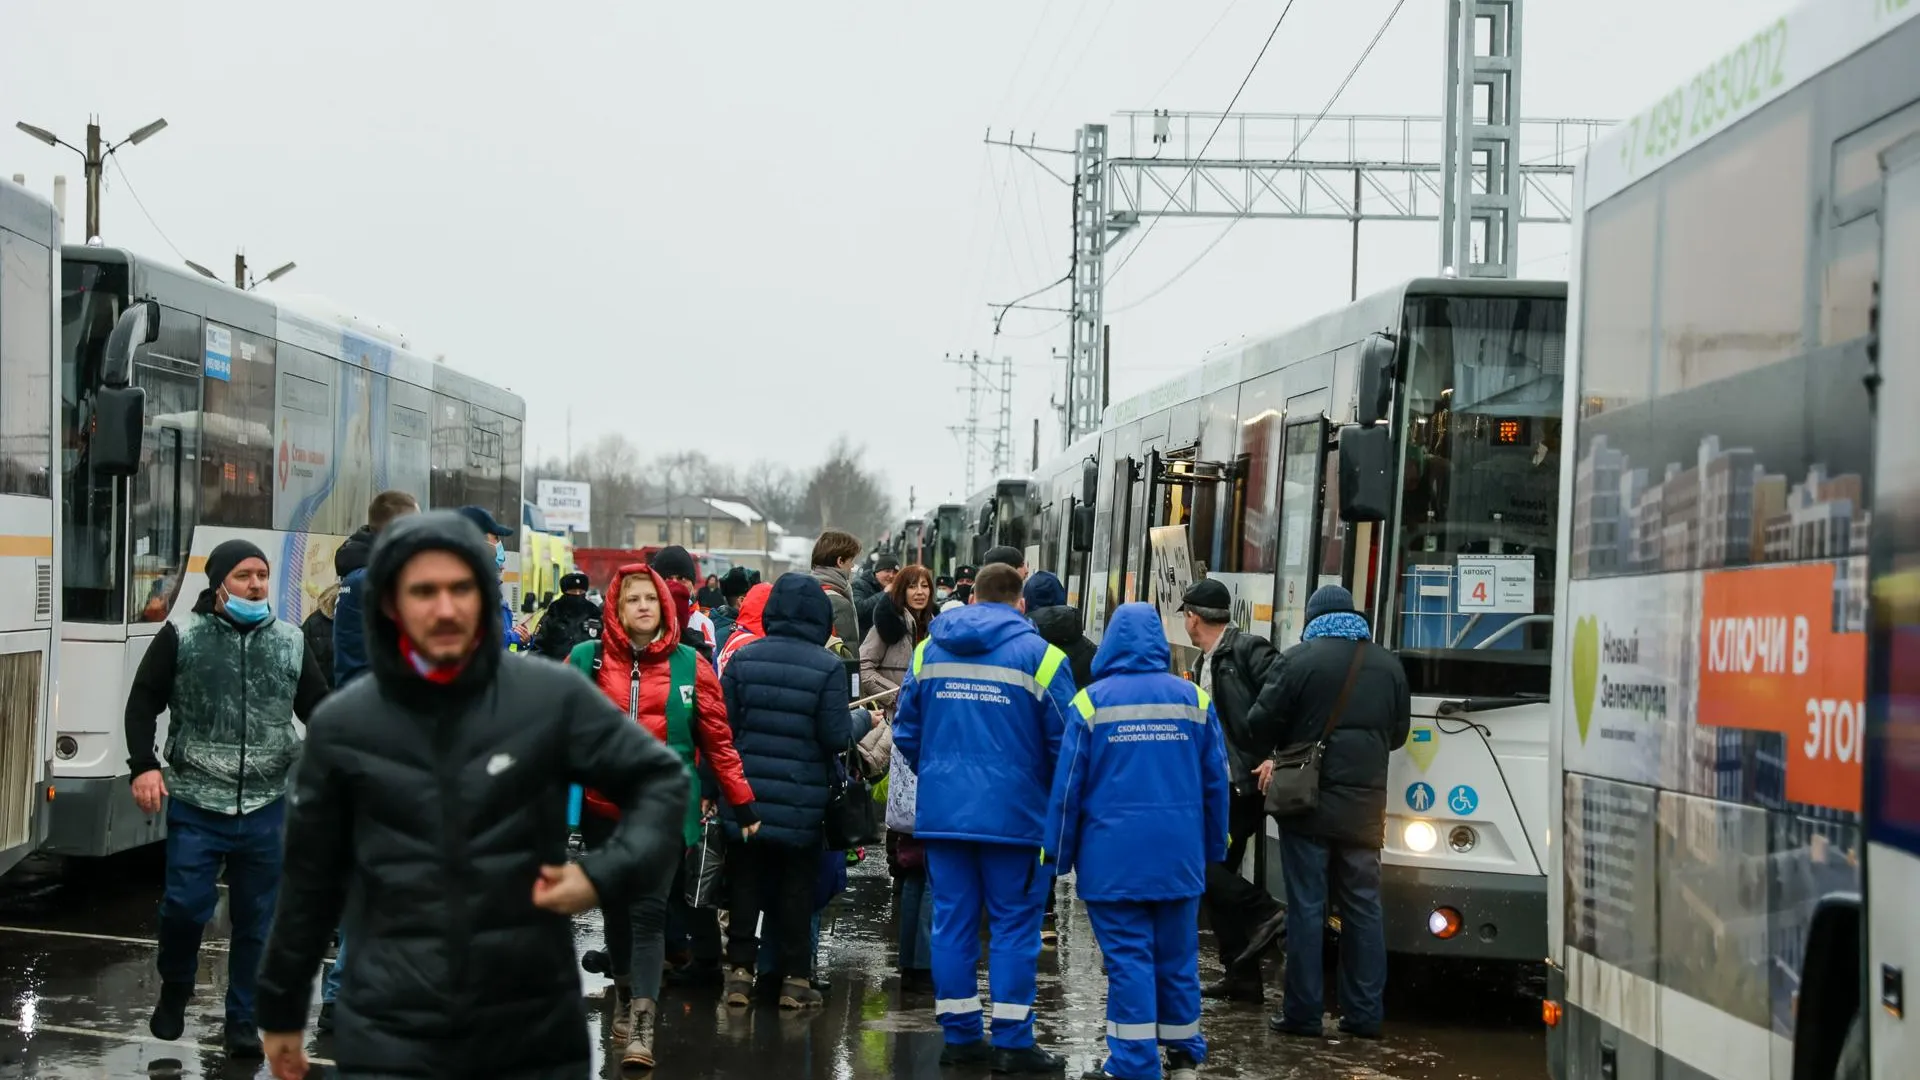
(749, 228)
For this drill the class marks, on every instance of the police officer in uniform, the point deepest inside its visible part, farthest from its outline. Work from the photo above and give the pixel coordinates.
(979, 721)
(1139, 810)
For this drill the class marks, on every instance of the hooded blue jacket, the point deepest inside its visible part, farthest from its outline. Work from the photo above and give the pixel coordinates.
(1139, 802)
(979, 721)
(787, 702)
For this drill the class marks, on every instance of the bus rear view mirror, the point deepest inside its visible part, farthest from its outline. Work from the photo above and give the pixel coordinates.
(119, 415)
(1378, 359)
(1366, 472)
(1082, 529)
(139, 326)
(1090, 482)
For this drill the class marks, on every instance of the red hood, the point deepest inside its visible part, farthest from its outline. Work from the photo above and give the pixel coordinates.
(753, 608)
(616, 649)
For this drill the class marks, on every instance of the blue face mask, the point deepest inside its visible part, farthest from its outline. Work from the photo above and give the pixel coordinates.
(248, 612)
(500, 556)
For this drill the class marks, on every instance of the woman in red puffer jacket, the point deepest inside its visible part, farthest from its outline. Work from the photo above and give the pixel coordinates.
(641, 665)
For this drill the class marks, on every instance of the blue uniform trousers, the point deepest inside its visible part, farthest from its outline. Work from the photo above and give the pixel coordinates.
(1152, 953)
(1009, 880)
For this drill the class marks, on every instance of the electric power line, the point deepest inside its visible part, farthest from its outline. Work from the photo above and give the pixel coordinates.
(1311, 128)
(1191, 53)
(122, 169)
(1218, 124)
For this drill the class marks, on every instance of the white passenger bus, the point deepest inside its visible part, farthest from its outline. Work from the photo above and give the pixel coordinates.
(1443, 396)
(1733, 487)
(29, 488)
(263, 420)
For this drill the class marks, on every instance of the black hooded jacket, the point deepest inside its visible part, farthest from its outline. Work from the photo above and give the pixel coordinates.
(787, 701)
(1064, 629)
(424, 812)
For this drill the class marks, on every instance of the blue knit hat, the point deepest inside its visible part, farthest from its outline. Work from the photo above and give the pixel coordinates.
(1043, 590)
(1329, 600)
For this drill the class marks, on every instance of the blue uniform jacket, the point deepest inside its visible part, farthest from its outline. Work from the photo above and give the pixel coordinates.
(979, 721)
(1140, 797)
(349, 630)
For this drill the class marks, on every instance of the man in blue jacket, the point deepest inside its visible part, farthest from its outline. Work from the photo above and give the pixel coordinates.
(1139, 809)
(496, 535)
(350, 562)
(979, 721)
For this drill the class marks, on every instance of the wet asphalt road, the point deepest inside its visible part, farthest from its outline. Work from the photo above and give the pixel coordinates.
(77, 983)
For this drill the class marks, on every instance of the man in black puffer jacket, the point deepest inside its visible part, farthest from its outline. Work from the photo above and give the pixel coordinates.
(430, 806)
(787, 700)
(1336, 668)
(1061, 625)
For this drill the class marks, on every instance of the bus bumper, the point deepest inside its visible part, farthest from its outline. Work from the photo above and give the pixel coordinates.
(1502, 916)
(96, 815)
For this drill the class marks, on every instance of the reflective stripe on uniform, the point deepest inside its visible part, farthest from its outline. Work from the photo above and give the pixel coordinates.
(919, 654)
(1176, 1032)
(994, 673)
(956, 1006)
(1049, 664)
(1113, 714)
(1083, 705)
(1132, 1031)
(1205, 700)
(1016, 1013)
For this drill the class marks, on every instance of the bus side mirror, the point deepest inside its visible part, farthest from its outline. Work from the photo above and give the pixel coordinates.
(1090, 482)
(1378, 358)
(139, 326)
(119, 416)
(1082, 527)
(1366, 473)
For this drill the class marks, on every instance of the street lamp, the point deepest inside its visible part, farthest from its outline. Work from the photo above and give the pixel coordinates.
(95, 159)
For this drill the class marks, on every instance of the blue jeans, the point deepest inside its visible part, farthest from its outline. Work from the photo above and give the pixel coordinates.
(199, 843)
(769, 962)
(916, 924)
(1304, 864)
(330, 982)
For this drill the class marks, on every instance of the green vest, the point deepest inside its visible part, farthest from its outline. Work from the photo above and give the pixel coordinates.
(681, 687)
(230, 736)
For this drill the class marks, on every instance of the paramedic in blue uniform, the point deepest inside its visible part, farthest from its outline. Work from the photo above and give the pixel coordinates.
(979, 721)
(1139, 810)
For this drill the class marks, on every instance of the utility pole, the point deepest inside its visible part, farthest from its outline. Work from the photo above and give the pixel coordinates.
(1480, 208)
(95, 158)
(973, 433)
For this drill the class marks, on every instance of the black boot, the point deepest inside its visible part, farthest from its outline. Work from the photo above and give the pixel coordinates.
(169, 1019)
(1027, 1059)
(325, 1024)
(243, 1041)
(969, 1053)
(1235, 989)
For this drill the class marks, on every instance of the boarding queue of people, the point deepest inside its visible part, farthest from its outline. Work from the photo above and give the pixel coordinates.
(422, 832)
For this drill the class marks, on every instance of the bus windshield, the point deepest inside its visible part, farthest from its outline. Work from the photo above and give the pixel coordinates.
(1017, 516)
(1473, 556)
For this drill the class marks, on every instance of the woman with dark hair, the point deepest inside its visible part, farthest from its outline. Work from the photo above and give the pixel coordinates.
(900, 623)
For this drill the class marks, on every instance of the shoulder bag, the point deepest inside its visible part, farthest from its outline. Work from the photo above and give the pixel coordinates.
(1295, 785)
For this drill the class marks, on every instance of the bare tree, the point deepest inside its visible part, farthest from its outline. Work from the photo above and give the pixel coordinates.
(842, 494)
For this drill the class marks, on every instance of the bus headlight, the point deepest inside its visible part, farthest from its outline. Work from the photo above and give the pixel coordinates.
(1463, 839)
(1420, 836)
(1443, 923)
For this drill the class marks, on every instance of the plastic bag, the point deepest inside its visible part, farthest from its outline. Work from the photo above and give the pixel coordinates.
(706, 866)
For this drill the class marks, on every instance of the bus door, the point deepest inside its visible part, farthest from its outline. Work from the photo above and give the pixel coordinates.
(1303, 468)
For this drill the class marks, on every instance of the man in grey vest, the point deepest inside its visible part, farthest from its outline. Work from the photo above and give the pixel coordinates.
(234, 679)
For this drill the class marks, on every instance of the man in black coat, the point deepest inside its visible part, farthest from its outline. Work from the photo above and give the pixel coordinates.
(1336, 677)
(1062, 626)
(869, 588)
(430, 806)
(1233, 668)
(787, 701)
(569, 620)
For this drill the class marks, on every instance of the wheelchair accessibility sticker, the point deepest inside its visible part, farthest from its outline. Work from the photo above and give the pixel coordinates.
(1463, 800)
(1420, 798)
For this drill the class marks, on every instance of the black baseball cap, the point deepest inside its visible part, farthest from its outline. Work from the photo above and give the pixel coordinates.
(484, 521)
(1207, 593)
(1005, 555)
